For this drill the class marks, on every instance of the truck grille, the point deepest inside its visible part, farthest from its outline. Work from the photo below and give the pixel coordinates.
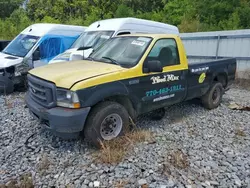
(43, 92)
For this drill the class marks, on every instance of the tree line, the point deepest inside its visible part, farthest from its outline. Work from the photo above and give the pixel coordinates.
(188, 15)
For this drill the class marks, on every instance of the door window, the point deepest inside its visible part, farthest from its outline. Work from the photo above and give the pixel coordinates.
(49, 48)
(165, 51)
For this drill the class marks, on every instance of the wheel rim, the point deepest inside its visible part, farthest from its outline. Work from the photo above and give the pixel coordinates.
(216, 95)
(111, 127)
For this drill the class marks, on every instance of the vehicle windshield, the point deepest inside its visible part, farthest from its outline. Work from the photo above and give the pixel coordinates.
(21, 45)
(92, 39)
(123, 51)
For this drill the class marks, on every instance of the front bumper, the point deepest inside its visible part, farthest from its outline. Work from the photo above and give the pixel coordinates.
(64, 122)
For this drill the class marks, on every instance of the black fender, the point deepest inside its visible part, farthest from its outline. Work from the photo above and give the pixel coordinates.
(92, 96)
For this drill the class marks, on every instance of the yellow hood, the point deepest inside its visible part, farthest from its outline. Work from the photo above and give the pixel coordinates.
(66, 74)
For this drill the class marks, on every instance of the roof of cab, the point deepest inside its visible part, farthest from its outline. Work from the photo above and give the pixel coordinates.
(115, 23)
(151, 35)
(41, 29)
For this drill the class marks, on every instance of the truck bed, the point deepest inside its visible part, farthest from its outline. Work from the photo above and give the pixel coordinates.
(222, 70)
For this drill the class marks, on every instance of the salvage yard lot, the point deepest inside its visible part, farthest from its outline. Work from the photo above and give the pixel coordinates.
(191, 147)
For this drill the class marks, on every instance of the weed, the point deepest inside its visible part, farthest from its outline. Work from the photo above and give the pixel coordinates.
(115, 150)
(26, 181)
(44, 164)
(240, 132)
(178, 159)
(120, 184)
(243, 81)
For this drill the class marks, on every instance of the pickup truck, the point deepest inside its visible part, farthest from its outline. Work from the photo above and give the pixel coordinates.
(127, 76)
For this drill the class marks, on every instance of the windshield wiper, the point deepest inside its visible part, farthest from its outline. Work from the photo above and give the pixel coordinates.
(112, 60)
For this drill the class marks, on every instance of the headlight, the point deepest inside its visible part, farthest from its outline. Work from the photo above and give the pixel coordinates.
(68, 99)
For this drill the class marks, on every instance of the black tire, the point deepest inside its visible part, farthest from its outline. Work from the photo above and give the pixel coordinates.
(92, 130)
(157, 114)
(213, 97)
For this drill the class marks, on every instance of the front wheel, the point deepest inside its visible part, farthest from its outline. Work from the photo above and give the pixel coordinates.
(213, 97)
(107, 121)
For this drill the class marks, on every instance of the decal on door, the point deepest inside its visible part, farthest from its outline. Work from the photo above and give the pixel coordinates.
(201, 69)
(202, 78)
(165, 78)
(164, 90)
(163, 98)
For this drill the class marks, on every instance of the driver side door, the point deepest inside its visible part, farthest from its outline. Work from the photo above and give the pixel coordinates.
(164, 88)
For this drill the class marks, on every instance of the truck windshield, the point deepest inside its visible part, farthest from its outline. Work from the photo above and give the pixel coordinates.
(123, 51)
(92, 39)
(21, 45)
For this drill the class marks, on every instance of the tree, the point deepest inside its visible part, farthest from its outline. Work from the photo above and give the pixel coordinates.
(17, 21)
(8, 6)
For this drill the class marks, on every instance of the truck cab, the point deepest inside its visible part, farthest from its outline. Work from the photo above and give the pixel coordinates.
(127, 76)
(100, 31)
(35, 46)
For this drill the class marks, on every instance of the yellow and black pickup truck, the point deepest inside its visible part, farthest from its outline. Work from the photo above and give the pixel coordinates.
(125, 77)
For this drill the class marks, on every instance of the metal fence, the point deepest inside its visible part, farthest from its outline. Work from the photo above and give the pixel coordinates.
(202, 46)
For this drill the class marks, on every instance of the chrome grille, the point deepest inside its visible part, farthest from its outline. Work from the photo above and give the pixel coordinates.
(42, 92)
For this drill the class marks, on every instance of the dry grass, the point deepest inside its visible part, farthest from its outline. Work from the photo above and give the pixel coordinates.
(178, 159)
(240, 132)
(245, 81)
(44, 163)
(24, 182)
(120, 184)
(115, 150)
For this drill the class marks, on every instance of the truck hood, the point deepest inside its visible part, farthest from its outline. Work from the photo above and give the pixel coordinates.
(9, 60)
(66, 74)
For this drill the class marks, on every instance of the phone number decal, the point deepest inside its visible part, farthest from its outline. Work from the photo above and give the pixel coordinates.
(164, 90)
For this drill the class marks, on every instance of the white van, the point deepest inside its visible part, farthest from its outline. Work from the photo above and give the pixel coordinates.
(100, 31)
(35, 46)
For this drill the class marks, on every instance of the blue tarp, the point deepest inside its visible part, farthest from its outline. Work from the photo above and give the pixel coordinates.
(52, 45)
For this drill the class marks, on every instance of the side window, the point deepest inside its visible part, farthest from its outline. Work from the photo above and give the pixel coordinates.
(49, 48)
(165, 51)
(123, 33)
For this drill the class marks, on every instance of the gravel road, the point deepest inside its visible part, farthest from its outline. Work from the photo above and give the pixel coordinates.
(194, 148)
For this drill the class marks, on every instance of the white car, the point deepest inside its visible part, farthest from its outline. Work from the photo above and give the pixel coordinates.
(100, 31)
(35, 46)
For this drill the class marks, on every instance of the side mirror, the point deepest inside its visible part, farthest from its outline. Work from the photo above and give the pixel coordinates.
(84, 48)
(36, 55)
(152, 66)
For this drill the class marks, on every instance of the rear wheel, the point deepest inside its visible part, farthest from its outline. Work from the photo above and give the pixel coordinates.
(213, 97)
(106, 121)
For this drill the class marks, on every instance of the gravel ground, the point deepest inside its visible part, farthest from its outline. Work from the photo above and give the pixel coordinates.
(194, 148)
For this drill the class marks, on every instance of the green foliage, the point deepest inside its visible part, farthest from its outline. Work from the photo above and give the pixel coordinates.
(12, 26)
(123, 11)
(8, 6)
(188, 15)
